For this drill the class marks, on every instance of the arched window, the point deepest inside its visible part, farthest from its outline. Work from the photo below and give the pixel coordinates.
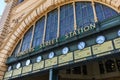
(84, 17)
(66, 19)
(84, 14)
(38, 32)
(110, 66)
(103, 12)
(52, 25)
(27, 40)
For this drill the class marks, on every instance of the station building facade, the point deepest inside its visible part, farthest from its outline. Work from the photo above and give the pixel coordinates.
(60, 40)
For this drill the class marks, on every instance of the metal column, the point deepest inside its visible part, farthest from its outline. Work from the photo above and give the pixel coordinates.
(53, 75)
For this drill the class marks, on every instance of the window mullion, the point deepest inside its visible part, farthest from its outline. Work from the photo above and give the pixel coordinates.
(94, 11)
(75, 24)
(32, 37)
(20, 45)
(58, 30)
(45, 25)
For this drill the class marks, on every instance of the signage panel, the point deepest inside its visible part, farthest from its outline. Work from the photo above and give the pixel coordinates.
(39, 65)
(8, 74)
(82, 53)
(51, 62)
(117, 43)
(100, 48)
(66, 58)
(17, 72)
(27, 69)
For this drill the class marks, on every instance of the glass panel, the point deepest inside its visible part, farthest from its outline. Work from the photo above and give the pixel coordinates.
(99, 12)
(84, 14)
(27, 40)
(66, 19)
(104, 12)
(52, 25)
(38, 33)
(15, 52)
(19, 1)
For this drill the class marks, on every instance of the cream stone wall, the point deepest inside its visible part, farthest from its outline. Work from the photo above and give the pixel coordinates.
(17, 19)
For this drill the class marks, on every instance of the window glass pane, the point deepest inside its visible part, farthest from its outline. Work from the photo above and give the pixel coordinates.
(84, 14)
(52, 25)
(66, 19)
(38, 33)
(27, 40)
(99, 12)
(15, 52)
(104, 12)
(19, 1)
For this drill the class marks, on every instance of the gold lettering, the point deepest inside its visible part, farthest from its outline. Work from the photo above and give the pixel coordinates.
(47, 43)
(41, 46)
(44, 45)
(56, 40)
(81, 30)
(86, 28)
(74, 33)
(71, 34)
(31, 49)
(53, 41)
(66, 36)
(24, 52)
(92, 26)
